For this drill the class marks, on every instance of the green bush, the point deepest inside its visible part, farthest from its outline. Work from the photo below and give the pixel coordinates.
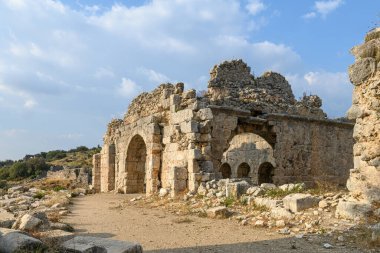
(228, 201)
(58, 188)
(3, 184)
(39, 195)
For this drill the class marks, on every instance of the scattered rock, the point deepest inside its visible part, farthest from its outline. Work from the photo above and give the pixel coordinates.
(299, 201)
(352, 210)
(16, 241)
(96, 244)
(236, 189)
(218, 212)
(327, 246)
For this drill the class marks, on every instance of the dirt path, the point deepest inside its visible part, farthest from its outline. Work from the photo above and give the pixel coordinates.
(159, 231)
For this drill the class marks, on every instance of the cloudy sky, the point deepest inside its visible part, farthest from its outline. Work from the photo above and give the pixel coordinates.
(69, 67)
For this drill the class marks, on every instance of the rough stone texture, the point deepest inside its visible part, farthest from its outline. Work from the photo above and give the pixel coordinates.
(352, 209)
(96, 175)
(78, 175)
(242, 127)
(217, 212)
(16, 241)
(96, 244)
(364, 181)
(299, 201)
(236, 189)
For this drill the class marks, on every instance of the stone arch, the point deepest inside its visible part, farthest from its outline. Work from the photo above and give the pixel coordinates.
(243, 170)
(111, 166)
(135, 165)
(265, 173)
(225, 170)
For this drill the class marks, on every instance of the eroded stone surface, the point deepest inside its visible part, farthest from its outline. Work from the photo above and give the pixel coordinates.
(364, 181)
(241, 127)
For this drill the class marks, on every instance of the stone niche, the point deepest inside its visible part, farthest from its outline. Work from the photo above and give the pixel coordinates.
(242, 127)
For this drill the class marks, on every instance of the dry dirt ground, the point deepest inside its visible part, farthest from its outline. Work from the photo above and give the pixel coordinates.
(159, 231)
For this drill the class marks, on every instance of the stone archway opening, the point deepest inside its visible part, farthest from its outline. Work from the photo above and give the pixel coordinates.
(136, 166)
(225, 170)
(243, 170)
(265, 173)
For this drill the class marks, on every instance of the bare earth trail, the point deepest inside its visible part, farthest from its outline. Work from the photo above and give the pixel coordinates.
(158, 231)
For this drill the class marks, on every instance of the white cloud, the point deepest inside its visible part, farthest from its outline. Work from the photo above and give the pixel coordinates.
(154, 76)
(254, 7)
(310, 15)
(13, 132)
(333, 87)
(128, 88)
(14, 96)
(323, 8)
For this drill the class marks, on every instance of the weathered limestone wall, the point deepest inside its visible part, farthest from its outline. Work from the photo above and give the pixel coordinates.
(312, 151)
(179, 139)
(364, 181)
(96, 160)
(78, 175)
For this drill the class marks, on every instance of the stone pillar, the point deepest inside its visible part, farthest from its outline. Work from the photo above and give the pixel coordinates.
(364, 180)
(96, 172)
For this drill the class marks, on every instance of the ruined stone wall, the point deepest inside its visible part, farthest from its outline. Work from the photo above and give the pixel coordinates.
(231, 84)
(312, 151)
(364, 182)
(96, 162)
(78, 175)
(183, 137)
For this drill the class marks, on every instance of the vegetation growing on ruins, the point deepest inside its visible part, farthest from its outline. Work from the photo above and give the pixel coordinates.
(34, 166)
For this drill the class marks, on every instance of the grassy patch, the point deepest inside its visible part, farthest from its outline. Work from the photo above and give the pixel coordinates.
(260, 208)
(277, 193)
(229, 201)
(39, 195)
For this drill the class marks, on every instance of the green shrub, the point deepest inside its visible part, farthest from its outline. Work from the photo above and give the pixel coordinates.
(278, 193)
(229, 201)
(3, 184)
(39, 195)
(58, 188)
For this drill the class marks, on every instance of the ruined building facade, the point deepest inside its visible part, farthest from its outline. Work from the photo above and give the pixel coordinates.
(242, 127)
(364, 181)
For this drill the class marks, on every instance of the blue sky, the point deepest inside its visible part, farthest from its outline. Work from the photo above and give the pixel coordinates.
(68, 67)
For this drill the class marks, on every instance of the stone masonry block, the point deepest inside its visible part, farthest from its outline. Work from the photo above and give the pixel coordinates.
(299, 201)
(181, 116)
(189, 127)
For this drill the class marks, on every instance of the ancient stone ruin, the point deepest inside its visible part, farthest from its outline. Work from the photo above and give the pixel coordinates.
(244, 127)
(364, 181)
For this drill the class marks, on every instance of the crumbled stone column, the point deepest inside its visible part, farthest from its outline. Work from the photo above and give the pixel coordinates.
(364, 181)
(96, 172)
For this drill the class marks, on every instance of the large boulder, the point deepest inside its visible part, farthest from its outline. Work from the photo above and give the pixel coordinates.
(95, 244)
(236, 189)
(17, 241)
(35, 221)
(217, 212)
(267, 202)
(352, 209)
(297, 202)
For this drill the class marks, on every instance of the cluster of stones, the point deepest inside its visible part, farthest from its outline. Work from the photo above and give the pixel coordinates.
(26, 212)
(364, 182)
(296, 212)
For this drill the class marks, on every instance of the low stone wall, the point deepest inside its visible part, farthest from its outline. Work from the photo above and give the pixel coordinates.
(78, 175)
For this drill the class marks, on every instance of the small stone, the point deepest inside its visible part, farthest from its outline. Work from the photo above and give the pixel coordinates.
(280, 223)
(341, 238)
(323, 204)
(284, 231)
(327, 246)
(244, 222)
(299, 236)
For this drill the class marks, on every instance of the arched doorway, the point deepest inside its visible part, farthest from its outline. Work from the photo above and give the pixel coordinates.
(265, 173)
(225, 170)
(243, 170)
(135, 165)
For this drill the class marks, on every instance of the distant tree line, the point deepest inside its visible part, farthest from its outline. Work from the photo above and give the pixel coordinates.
(33, 166)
